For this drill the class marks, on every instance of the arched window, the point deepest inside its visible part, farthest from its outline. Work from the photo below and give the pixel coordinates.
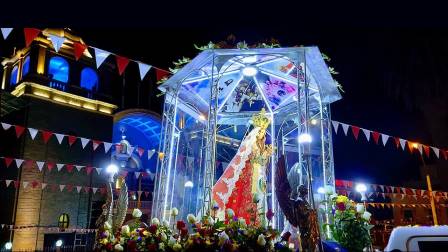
(26, 66)
(14, 74)
(58, 69)
(89, 79)
(63, 221)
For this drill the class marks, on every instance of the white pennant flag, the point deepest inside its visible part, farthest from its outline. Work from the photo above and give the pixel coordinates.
(335, 126)
(44, 185)
(420, 149)
(151, 175)
(6, 126)
(402, 143)
(3, 225)
(19, 162)
(403, 190)
(60, 166)
(150, 153)
(384, 138)
(60, 137)
(345, 128)
(8, 182)
(79, 167)
(40, 164)
(144, 68)
(367, 134)
(436, 151)
(107, 146)
(393, 188)
(137, 174)
(98, 170)
(78, 188)
(61, 187)
(139, 193)
(94, 189)
(33, 132)
(413, 191)
(100, 56)
(57, 42)
(382, 188)
(84, 142)
(6, 32)
(25, 184)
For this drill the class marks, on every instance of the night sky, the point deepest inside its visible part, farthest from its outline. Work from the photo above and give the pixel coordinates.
(392, 66)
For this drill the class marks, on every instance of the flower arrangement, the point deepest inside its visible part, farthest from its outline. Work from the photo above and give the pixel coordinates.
(350, 226)
(205, 234)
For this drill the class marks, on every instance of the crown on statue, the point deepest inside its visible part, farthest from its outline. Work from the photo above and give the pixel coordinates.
(260, 119)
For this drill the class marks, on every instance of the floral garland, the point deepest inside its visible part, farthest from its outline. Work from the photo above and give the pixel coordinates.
(207, 234)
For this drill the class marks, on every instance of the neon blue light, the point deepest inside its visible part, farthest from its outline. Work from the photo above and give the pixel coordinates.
(58, 69)
(89, 79)
(14, 73)
(26, 66)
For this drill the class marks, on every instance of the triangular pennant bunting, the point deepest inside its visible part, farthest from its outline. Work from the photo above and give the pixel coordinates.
(43, 185)
(71, 139)
(30, 35)
(426, 149)
(60, 166)
(384, 139)
(79, 49)
(8, 182)
(6, 32)
(6, 126)
(19, 130)
(100, 56)
(19, 162)
(69, 167)
(79, 167)
(98, 170)
(367, 134)
(46, 135)
(143, 69)
(60, 137)
(96, 143)
(94, 189)
(335, 126)
(376, 136)
(160, 74)
(33, 132)
(57, 42)
(78, 188)
(345, 128)
(61, 187)
(436, 151)
(137, 174)
(107, 146)
(140, 151)
(8, 161)
(150, 153)
(89, 170)
(402, 143)
(40, 165)
(25, 184)
(420, 148)
(122, 63)
(84, 141)
(355, 131)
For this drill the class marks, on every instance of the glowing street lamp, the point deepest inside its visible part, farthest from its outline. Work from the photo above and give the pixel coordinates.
(189, 184)
(362, 188)
(8, 245)
(321, 190)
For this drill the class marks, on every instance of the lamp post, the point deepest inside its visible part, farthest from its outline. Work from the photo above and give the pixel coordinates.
(362, 188)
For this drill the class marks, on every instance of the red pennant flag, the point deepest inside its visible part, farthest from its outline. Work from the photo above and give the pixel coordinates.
(147, 194)
(376, 136)
(29, 164)
(96, 143)
(30, 35)
(54, 187)
(34, 184)
(46, 135)
(69, 167)
(411, 148)
(160, 74)
(445, 154)
(122, 63)
(69, 187)
(19, 130)
(89, 169)
(86, 189)
(397, 142)
(16, 184)
(71, 140)
(426, 149)
(79, 49)
(8, 161)
(50, 166)
(355, 131)
(140, 151)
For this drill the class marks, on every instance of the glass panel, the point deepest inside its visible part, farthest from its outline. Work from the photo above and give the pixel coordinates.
(58, 69)
(14, 75)
(26, 66)
(89, 79)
